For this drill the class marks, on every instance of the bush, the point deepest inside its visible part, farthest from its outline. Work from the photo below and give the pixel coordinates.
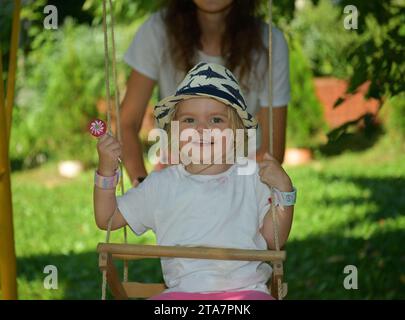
(324, 40)
(62, 82)
(305, 122)
(394, 111)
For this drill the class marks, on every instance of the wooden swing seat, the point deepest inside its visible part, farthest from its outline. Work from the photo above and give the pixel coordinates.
(125, 290)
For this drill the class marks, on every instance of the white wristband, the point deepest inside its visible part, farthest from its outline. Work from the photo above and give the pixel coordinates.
(284, 199)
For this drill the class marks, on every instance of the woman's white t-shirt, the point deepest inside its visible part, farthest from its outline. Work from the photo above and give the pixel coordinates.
(224, 210)
(149, 55)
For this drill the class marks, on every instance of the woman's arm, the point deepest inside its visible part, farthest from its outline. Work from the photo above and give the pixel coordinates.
(279, 132)
(138, 93)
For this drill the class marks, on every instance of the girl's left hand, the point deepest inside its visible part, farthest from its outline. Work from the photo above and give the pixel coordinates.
(273, 174)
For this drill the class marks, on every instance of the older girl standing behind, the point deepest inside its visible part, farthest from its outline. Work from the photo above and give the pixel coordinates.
(226, 32)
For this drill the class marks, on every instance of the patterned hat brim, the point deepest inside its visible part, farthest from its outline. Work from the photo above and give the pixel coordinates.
(164, 109)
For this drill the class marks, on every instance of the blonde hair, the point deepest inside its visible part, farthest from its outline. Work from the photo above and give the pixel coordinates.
(236, 123)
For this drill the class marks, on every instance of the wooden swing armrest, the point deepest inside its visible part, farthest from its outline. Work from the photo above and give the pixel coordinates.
(138, 251)
(105, 263)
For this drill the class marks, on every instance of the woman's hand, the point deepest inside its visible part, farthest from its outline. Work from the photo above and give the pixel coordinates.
(109, 152)
(272, 174)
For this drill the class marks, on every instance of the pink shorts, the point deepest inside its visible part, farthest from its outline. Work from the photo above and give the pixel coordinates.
(236, 295)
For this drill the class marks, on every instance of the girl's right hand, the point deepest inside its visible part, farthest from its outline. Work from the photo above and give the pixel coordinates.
(109, 151)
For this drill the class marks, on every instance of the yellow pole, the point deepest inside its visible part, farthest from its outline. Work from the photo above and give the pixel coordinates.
(8, 265)
(7, 252)
(2, 98)
(2, 101)
(15, 31)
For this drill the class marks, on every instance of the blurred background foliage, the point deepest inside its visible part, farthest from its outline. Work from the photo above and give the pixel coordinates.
(323, 43)
(61, 85)
(305, 126)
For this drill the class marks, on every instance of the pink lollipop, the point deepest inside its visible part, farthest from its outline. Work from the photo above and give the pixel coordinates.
(97, 128)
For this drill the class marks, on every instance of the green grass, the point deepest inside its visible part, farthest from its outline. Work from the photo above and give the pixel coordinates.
(350, 211)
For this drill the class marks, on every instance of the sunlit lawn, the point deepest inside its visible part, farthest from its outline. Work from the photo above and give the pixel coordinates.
(350, 211)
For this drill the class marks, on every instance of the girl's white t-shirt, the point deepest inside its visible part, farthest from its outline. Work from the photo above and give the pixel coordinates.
(224, 210)
(149, 55)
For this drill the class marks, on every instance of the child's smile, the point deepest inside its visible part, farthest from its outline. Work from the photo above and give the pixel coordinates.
(207, 119)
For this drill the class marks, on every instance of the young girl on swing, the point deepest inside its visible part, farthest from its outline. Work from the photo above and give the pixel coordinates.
(198, 204)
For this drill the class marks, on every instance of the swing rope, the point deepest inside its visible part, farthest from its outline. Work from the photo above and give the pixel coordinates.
(272, 208)
(118, 120)
(117, 115)
(271, 144)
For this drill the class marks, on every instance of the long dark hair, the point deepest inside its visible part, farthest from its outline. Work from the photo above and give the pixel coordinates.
(242, 36)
